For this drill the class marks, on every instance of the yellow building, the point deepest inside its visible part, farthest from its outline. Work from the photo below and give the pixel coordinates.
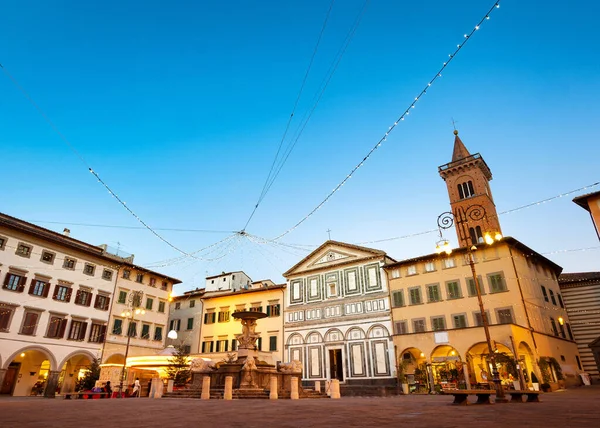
(439, 333)
(591, 203)
(219, 328)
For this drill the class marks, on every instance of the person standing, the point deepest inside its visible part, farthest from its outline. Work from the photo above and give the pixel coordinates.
(136, 388)
(108, 390)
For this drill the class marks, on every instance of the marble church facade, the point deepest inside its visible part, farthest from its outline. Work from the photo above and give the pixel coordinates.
(337, 318)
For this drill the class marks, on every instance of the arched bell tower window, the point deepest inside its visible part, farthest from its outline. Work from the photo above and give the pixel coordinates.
(476, 235)
(466, 190)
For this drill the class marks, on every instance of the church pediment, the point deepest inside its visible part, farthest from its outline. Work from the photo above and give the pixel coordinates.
(332, 253)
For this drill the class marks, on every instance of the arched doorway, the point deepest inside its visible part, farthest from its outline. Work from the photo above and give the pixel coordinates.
(73, 370)
(481, 367)
(527, 361)
(414, 365)
(27, 372)
(447, 367)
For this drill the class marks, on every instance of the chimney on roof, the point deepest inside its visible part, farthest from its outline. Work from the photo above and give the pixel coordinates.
(66, 232)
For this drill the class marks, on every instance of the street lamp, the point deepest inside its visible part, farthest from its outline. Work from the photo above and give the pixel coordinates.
(134, 301)
(446, 220)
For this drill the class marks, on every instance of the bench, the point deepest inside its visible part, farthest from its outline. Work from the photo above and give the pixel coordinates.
(517, 396)
(460, 395)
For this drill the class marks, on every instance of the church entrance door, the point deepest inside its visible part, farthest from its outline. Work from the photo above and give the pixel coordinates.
(336, 370)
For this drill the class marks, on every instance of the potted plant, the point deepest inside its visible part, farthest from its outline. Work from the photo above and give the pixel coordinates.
(403, 364)
(534, 382)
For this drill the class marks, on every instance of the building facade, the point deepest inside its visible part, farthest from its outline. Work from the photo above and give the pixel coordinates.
(337, 316)
(591, 203)
(581, 293)
(54, 307)
(438, 323)
(220, 329)
(185, 317)
(232, 281)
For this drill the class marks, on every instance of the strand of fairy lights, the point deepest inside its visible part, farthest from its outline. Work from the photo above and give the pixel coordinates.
(411, 106)
(82, 159)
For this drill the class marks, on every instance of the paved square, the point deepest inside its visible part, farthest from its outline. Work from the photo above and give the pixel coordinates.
(572, 408)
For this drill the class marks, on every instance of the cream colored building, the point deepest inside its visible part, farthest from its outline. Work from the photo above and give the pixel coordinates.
(437, 320)
(219, 328)
(185, 317)
(54, 307)
(591, 203)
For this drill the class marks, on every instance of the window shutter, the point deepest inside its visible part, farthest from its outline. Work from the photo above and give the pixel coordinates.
(82, 330)
(6, 278)
(96, 301)
(205, 318)
(46, 289)
(55, 294)
(106, 303)
(213, 316)
(68, 297)
(226, 345)
(102, 335)
(77, 297)
(88, 300)
(212, 346)
(21, 286)
(268, 311)
(32, 286)
(62, 328)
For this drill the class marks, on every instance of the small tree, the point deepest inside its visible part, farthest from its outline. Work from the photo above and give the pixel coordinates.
(92, 374)
(179, 368)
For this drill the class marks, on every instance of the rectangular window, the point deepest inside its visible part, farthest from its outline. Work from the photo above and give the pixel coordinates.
(552, 297)
(89, 269)
(567, 324)
(48, 257)
(69, 263)
(39, 288)
(190, 323)
(459, 321)
(177, 305)
(145, 331)
(117, 327)
(139, 278)
(553, 324)
(471, 287)
(14, 282)
(453, 290)
(411, 270)
(545, 293)
(400, 327)
(83, 298)
(161, 306)
(132, 330)
(149, 303)
(2, 242)
(6, 314)
(175, 325)
(62, 293)
(164, 286)
(23, 250)
(158, 333)
(274, 310)
(504, 316)
(152, 282)
(30, 321)
(102, 302)
(560, 300)
(224, 316)
(107, 274)
(56, 327)
(255, 308)
(429, 267)
(438, 323)
(415, 296)
(122, 297)
(259, 344)
(233, 344)
(395, 273)
(398, 299)
(192, 303)
(77, 330)
(126, 273)
(479, 320)
(207, 347)
(419, 326)
(97, 333)
(433, 293)
(496, 282)
(222, 345)
(209, 317)
(449, 263)
(561, 327)
(272, 343)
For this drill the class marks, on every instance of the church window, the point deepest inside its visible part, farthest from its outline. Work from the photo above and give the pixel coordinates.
(466, 190)
(476, 235)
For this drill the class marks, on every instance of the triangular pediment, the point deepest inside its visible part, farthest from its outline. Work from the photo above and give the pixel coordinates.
(332, 253)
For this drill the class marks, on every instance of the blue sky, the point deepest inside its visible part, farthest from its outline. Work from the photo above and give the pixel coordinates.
(180, 108)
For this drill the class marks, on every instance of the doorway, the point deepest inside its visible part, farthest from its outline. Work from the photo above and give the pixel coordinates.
(10, 378)
(336, 368)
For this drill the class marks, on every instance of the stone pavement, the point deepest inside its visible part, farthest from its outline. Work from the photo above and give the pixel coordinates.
(578, 407)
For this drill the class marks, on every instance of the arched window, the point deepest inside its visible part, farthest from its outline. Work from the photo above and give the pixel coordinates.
(466, 190)
(476, 235)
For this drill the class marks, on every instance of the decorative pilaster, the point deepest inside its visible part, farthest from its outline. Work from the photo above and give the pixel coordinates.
(52, 384)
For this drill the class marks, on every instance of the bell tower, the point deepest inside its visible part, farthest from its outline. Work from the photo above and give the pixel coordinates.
(467, 177)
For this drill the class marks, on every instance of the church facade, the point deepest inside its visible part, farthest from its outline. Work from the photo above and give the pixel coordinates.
(337, 318)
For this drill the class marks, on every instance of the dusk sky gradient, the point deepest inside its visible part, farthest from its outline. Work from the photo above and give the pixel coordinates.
(180, 106)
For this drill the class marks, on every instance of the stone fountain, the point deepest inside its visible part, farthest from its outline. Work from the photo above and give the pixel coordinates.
(251, 376)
